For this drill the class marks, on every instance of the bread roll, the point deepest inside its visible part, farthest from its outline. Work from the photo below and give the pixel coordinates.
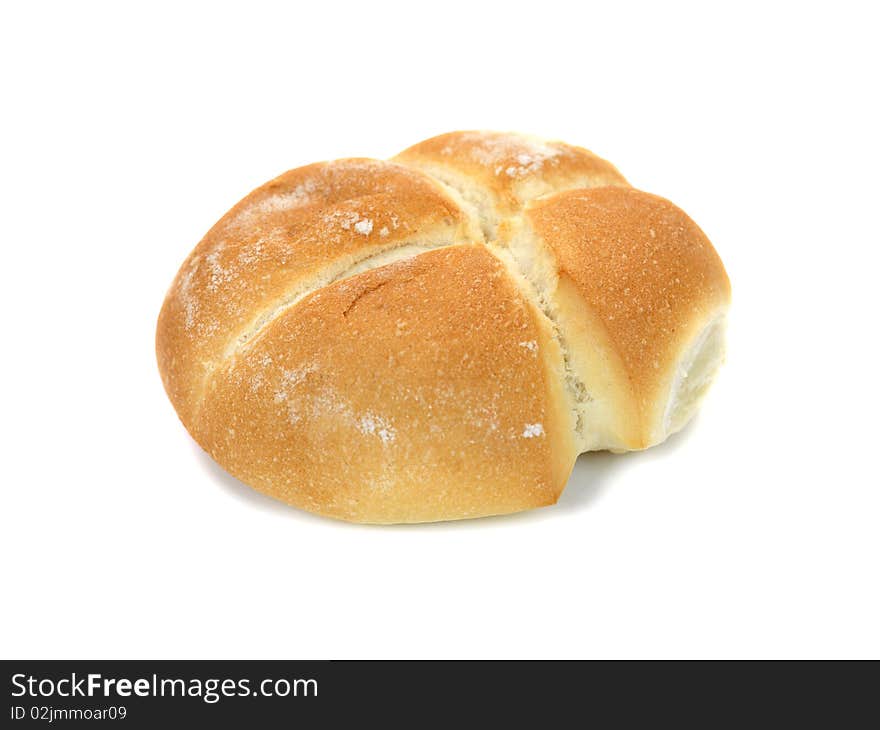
(439, 336)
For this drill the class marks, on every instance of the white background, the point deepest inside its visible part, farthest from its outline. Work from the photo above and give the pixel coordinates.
(127, 132)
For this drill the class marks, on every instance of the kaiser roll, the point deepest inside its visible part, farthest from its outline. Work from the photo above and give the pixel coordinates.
(439, 336)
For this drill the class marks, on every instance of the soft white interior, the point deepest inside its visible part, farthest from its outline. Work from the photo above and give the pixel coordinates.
(694, 374)
(534, 269)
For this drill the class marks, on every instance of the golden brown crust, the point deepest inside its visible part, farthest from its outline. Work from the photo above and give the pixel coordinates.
(647, 276)
(413, 392)
(499, 172)
(309, 224)
(403, 342)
